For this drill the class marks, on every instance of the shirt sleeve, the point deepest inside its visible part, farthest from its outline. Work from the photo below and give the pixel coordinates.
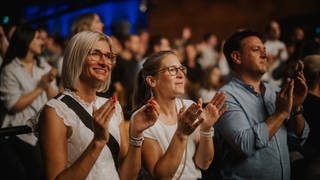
(9, 88)
(236, 130)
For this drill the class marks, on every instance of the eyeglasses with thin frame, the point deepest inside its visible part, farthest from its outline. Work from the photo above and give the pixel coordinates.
(173, 70)
(97, 55)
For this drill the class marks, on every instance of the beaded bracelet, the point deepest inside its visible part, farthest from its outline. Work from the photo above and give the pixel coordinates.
(136, 142)
(207, 134)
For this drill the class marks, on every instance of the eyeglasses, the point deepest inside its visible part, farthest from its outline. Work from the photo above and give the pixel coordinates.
(97, 55)
(173, 70)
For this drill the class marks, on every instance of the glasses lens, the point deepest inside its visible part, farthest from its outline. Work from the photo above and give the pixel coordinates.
(172, 70)
(183, 69)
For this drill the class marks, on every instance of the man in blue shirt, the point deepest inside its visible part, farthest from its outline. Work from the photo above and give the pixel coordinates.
(252, 134)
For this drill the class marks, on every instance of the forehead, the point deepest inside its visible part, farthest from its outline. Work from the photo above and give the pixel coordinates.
(170, 60)
(101, 45)
(251, 41)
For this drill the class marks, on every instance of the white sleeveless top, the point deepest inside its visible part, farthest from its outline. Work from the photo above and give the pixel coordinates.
(104, 167)
(163, 134)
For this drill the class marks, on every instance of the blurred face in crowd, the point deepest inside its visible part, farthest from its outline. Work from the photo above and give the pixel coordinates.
(164, 44)
(36, 44)
(134, 43)
(274, 30)
(191, 52)
(97, 24)
(215, 76)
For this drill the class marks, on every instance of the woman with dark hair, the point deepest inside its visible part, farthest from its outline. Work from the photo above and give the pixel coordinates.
(180, 143)
(26, 84)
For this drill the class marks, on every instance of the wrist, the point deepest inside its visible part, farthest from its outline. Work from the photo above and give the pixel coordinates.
(208, 133)
(136, 142)
(296, 111)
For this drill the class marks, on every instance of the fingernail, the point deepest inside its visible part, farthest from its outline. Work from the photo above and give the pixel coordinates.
(114, 98)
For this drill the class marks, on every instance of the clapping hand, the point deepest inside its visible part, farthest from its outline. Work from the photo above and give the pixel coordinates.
(101, 119)
(213, 110)
(300, 89)
(188, 119)
(144, 117)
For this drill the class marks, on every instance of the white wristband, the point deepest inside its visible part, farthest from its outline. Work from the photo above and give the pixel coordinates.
(207, 134)
(136, 142)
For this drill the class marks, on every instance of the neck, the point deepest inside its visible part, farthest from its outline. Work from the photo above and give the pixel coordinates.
(168, 106)
(29, 58)
(86, 93)
(255, 82)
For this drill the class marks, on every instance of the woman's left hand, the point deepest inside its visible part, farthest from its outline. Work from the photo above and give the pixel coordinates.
(213, 110)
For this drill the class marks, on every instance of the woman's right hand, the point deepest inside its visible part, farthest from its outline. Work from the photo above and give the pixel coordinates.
(101, 119)
(188, 119)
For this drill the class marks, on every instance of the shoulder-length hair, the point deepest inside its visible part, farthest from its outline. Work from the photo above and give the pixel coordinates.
(19, 44)
(75, 54)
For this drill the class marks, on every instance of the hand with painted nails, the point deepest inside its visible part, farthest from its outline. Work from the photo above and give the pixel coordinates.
(144, 117)
(101, 119)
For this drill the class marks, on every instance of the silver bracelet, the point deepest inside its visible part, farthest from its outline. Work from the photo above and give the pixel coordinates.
(136, 142)
(207, 134)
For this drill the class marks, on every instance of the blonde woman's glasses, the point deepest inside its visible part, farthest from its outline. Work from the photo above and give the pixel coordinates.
(97, 55)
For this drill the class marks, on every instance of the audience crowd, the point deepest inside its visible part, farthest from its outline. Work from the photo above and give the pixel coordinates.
(245, 107)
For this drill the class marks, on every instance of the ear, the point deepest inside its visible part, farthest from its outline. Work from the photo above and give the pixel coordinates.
(151, 81)
(235, 55)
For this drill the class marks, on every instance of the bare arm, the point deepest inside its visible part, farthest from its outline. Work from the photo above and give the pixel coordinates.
(164, 165)
(53, 140)
(142, 119)
(205, 150)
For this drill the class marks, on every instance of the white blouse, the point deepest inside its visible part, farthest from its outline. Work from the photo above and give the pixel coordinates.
(104, 167)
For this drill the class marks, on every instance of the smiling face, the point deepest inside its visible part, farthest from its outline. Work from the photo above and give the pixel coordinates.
(166, 84)
(96, 71)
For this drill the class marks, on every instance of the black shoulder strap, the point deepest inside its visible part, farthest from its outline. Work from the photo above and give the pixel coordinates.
(87, 119)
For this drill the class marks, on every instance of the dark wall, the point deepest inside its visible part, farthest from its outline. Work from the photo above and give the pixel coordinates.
(223, 17)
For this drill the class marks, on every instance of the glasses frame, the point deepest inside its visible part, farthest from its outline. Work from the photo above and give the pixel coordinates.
(96, 55)
(173, 70)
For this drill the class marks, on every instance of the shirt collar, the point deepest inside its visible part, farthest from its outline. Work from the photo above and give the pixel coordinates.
(248, 86)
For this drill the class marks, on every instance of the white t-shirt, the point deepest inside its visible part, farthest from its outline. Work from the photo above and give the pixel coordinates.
(163, 134)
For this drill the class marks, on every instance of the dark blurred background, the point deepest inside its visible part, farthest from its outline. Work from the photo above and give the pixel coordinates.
(168, 17)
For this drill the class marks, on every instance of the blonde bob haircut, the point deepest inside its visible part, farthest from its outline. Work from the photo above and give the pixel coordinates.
(75, 54)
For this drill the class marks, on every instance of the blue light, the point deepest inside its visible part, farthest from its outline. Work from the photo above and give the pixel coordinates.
(59, 19)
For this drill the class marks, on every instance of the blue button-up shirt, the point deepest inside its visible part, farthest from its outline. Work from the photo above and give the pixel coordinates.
(243, 138)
